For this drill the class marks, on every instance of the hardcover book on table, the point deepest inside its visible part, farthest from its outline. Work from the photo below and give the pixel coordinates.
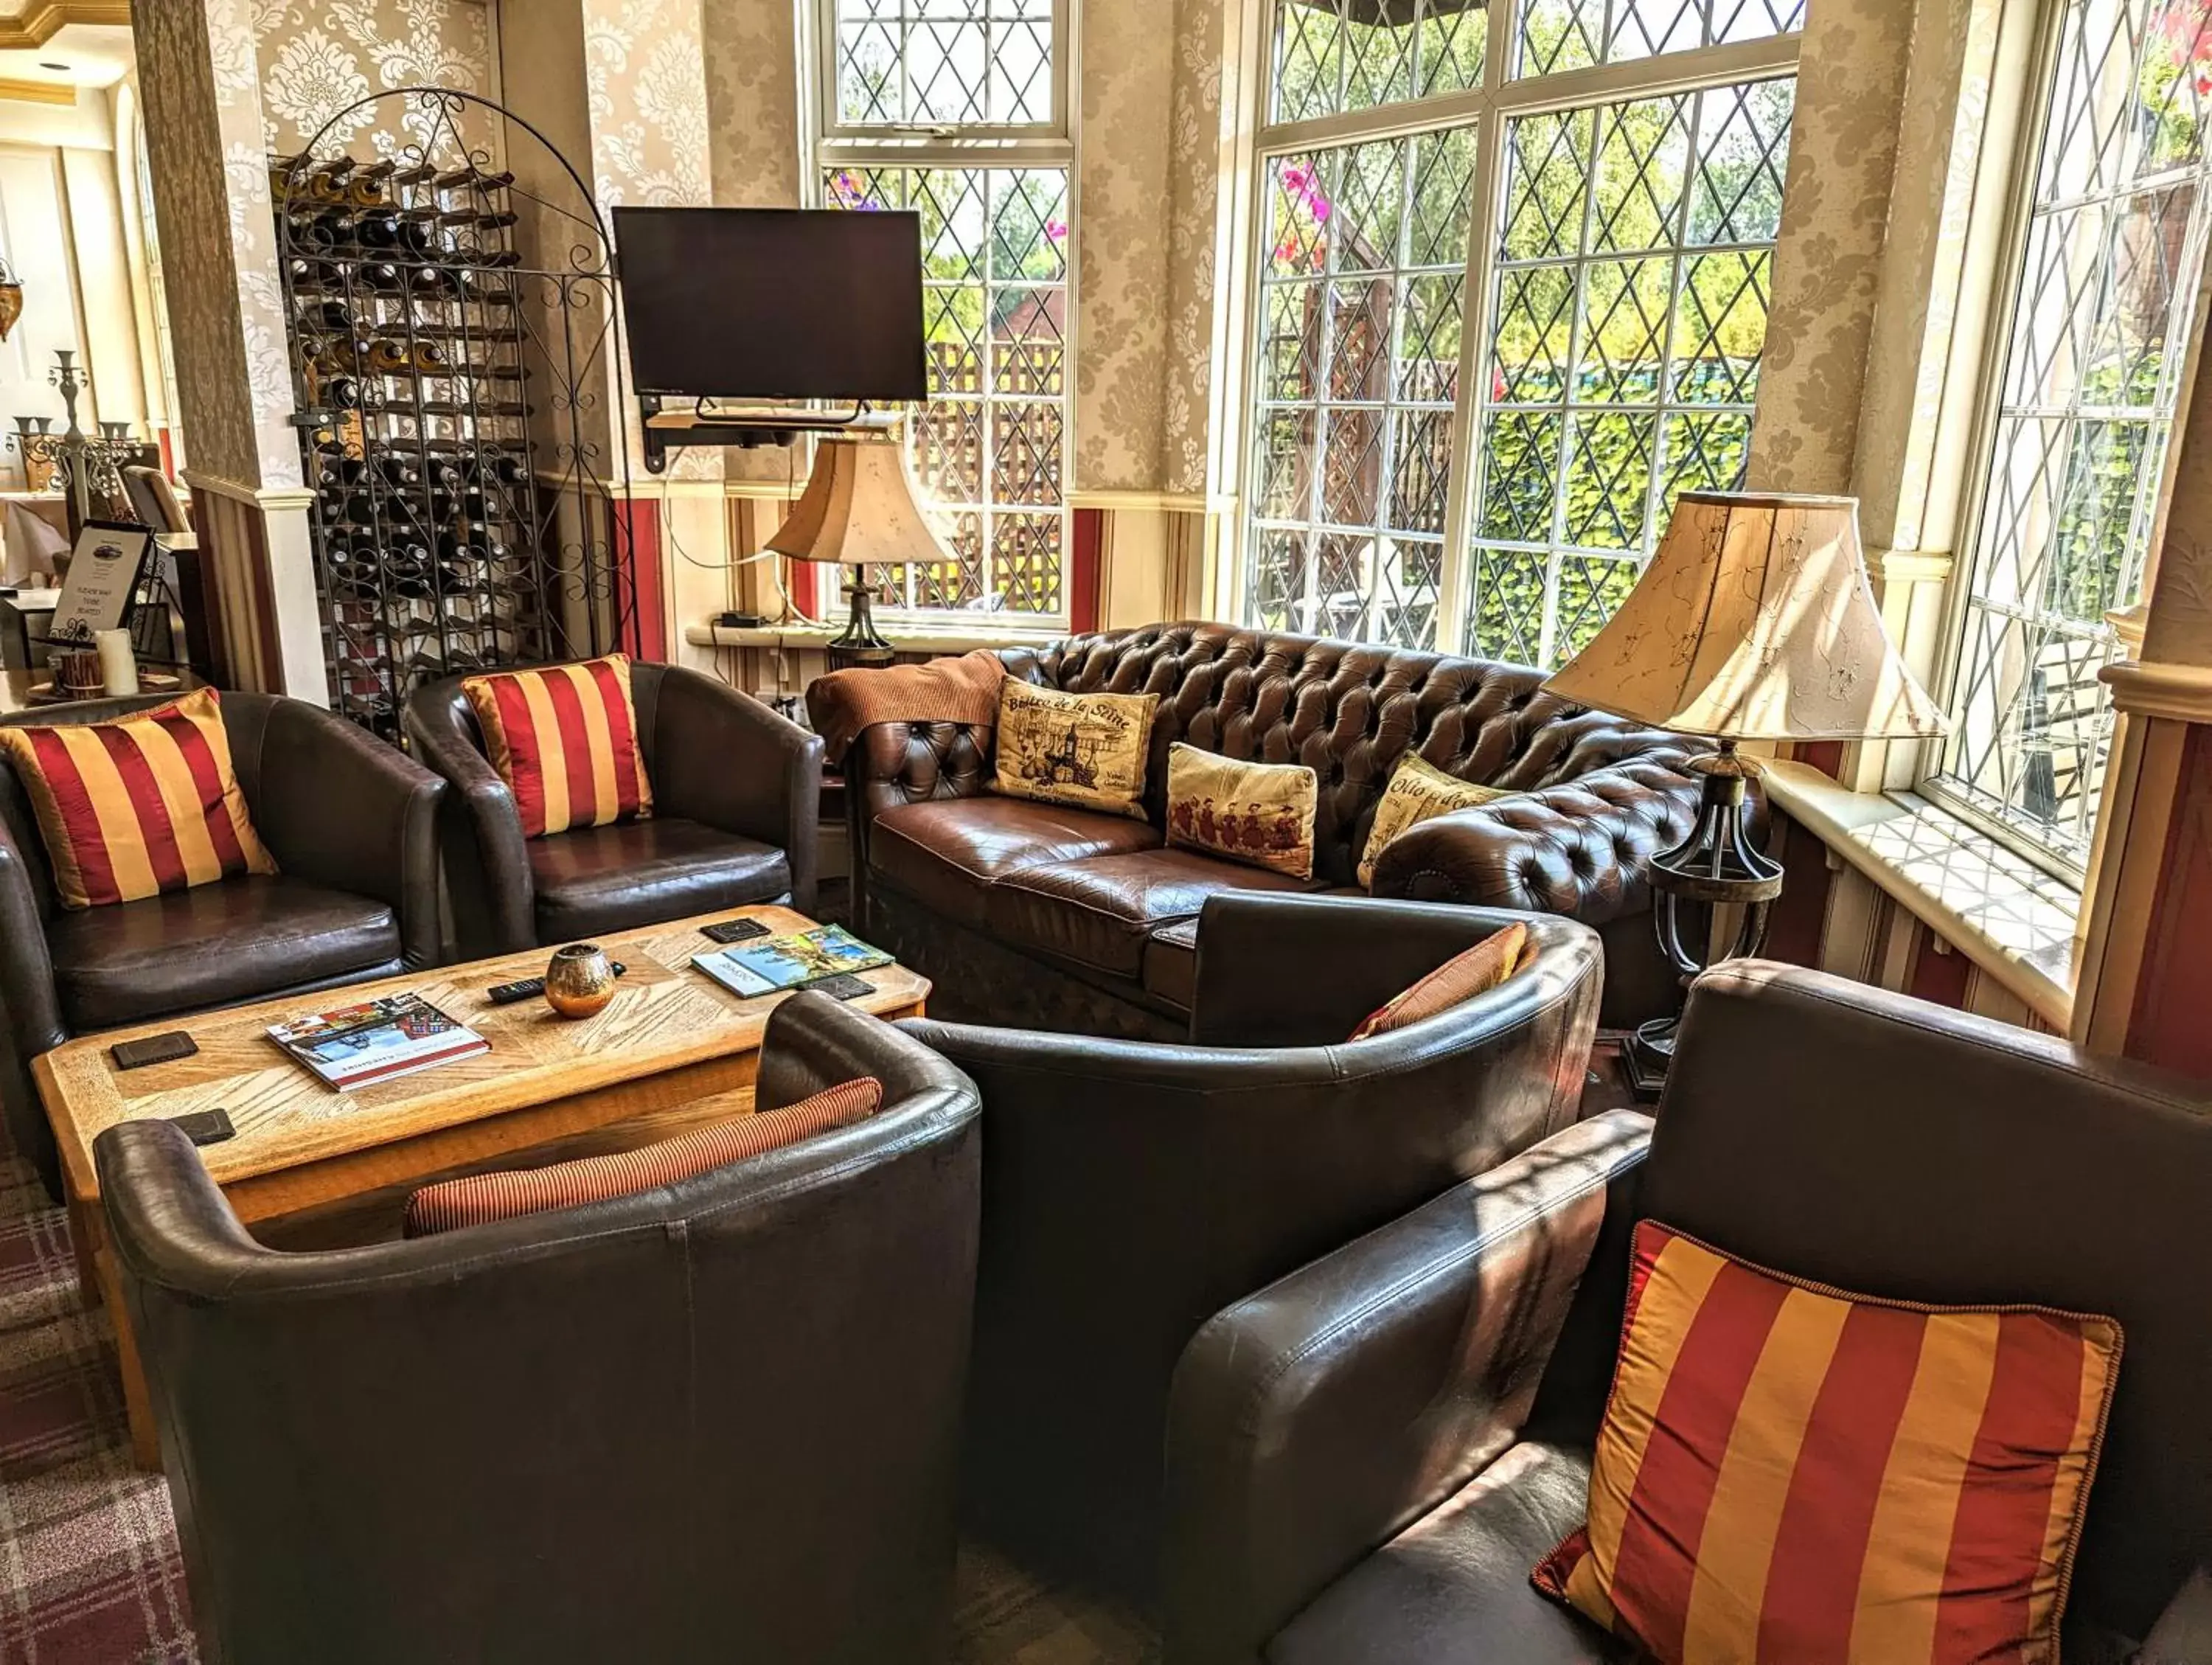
(376, 1040)
(770, 964)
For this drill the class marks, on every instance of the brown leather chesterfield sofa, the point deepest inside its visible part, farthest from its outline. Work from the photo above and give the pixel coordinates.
(352, 825)
(737, 796)
(1054, 918)
(714, 1421)
(1131, 1189)
(1365, 1461)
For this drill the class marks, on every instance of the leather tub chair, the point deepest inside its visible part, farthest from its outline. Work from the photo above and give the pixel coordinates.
(737, 792)
(712, 1421)
(1366, 1460)
(1131, 1189)
(352, 825)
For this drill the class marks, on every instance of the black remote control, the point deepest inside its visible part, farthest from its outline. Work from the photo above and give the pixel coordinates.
(528, 988)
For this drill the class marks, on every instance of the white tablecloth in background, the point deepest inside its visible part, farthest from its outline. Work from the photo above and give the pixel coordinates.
(30, 542)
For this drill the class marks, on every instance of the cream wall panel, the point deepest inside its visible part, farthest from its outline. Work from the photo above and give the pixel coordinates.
(34, 239)
(103, 274)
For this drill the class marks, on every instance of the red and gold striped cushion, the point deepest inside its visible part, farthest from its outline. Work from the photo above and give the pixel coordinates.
(1787, 1473)
(138, 805)
(565, 741)
(1476, 970)
(478, 1199)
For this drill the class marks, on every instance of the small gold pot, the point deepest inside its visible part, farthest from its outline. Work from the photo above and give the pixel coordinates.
(579, 980)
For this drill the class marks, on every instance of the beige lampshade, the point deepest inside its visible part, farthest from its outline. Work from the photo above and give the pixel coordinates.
(859, 508)
(1753, 622)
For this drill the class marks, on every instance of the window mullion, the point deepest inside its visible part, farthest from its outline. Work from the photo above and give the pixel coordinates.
(1477, 319)
(1570, 427)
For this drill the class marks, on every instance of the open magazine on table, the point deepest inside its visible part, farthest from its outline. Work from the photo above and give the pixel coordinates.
(767, 964)
(395, 1035)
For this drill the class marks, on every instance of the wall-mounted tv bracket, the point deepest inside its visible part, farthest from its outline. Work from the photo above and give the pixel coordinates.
(681, 428)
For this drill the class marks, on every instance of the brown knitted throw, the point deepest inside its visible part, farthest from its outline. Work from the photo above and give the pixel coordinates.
(947, 690)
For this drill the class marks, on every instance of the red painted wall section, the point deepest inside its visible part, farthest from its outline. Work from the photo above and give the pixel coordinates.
(1938, 977)
(637, 552)
(1826, 756)
(800, 588)
(1084, 601)
(1794, 928)
(2172, 1020)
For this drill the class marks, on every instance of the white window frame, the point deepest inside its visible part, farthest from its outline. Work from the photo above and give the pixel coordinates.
(835, 143)
(1488, 110)
(2017, 211)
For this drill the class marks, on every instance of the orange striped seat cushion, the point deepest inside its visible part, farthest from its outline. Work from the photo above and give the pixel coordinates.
(1787, 1473)
(478, 1199)
(139, 805)
(1475, 971)
(564, 739)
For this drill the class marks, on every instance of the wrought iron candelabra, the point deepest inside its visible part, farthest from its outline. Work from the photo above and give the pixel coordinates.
(87, 467)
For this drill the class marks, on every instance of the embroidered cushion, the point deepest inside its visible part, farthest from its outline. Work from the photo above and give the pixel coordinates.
(1261, 814)
(1085, 750)
(1790, 1472)
(564, 739)
(1418, 790)
(139, 805)
(477, 1199)
(1473, 971)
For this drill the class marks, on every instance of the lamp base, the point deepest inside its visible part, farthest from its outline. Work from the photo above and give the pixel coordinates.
(860, 647)
(1716, 867)
(1647, 1054)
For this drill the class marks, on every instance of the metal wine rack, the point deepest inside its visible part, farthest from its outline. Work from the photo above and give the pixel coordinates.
(453, 404)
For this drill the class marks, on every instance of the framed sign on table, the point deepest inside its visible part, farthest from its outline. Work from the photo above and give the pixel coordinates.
(103, 579)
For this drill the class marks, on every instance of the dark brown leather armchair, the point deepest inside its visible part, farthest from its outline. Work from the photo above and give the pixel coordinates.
(352, 825)
(737, 795)
(1366, 1460)
(714, 1421)
(1133, 1189)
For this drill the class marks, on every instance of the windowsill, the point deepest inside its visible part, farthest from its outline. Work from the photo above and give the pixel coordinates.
(2015, 921)
(906, 638)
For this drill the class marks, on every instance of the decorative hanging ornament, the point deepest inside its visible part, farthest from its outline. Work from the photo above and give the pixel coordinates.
(11, 299)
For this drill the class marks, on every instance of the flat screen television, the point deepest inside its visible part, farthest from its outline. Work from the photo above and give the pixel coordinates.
(772, 303)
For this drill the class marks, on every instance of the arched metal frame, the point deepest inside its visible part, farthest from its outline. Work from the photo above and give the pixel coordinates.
(470, 505)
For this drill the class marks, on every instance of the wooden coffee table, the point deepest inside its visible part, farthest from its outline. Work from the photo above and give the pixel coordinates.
(674, 1049)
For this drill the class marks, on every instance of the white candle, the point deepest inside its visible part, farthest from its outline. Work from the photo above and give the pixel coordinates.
(119, 667)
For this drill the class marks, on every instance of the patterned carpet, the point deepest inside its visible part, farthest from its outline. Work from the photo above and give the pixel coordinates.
(89, 1569)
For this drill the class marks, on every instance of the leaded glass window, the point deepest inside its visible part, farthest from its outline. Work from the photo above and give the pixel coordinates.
(944, 63)
(990, 449)
(1575, 34)
(1634, 262)
(1475, 395)
(1358, 371)
(2109, 258)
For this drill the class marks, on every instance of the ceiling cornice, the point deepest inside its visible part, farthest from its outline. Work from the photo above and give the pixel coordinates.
(42, 20)
(37, 92)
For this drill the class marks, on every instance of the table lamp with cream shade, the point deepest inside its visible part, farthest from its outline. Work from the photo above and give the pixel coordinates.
(860, 509)
(1754, 621)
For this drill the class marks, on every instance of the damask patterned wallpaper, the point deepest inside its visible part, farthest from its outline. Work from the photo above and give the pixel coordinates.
(319, 57)
(1195, 161)
(1827, 263)
(1120, 328)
